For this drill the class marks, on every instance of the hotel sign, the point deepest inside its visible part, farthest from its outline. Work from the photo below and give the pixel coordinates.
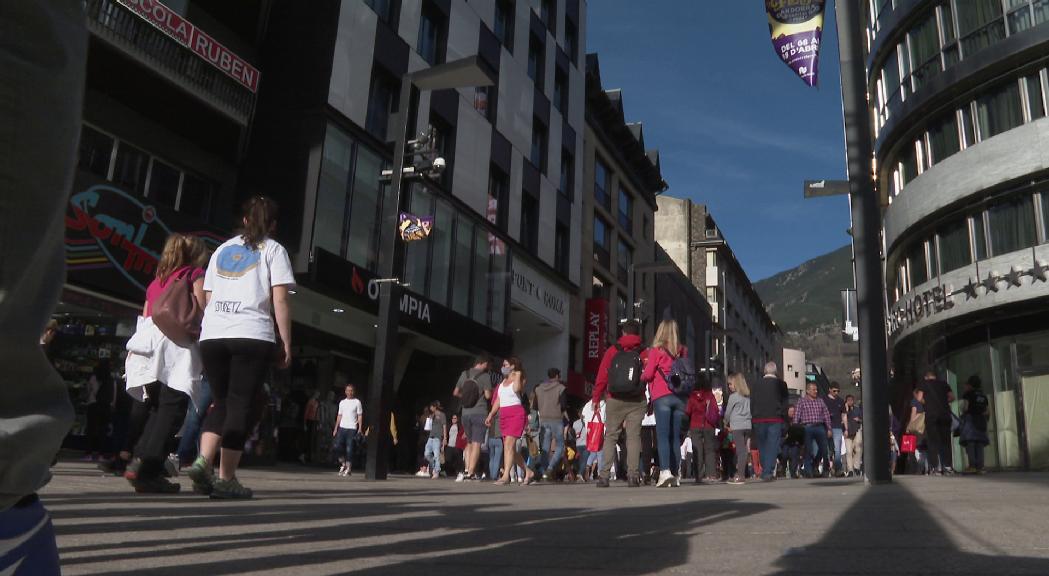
(196, 40)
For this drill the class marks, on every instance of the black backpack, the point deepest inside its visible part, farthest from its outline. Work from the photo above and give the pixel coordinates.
(469, 392)
(624, 374)
(682, 377)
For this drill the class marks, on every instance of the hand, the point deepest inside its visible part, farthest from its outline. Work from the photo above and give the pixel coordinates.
(285, 360)
(830, 434)
(488, 420)
(334, 432)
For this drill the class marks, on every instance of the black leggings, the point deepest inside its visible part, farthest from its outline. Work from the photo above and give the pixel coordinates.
(236, 369)
(163, 423)
(139, 415)
(938, 435)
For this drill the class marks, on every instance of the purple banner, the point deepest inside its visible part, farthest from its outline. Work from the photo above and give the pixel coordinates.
(796, 27)
(414, 227)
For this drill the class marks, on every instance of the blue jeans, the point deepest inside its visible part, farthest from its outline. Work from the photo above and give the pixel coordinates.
(768, 436)
(548, 429)
(839, 438)
(669, 411)
(344, 441)
(791, 459)
(432, 453)
(189, 437)
(815, 434)
(495, 457)
(581, 457)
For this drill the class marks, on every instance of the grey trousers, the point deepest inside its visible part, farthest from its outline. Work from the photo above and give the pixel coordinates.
(621, 414)
(43, 45)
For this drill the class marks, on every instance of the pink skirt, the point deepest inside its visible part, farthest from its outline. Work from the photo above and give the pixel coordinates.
(512, 420)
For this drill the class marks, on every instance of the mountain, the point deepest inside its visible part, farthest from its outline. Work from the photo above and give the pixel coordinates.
(808, 297)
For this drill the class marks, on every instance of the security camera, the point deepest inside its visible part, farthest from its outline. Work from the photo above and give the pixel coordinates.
(439, 164)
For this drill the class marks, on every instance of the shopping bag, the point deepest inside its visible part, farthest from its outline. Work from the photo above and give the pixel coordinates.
(909, 444)
(595, 433)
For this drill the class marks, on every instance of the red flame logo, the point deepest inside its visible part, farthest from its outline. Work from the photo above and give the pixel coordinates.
(357, 282)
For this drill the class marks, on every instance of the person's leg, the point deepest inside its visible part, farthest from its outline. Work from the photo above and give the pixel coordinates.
(946, 446)
(633, 440)
(934, 441)
(979, 456)
(857, 446)
(838, 441)
(666, 448)
(615, 413)
(248, 366)
(768, 453)
(151, 448)
(554, 432)
(351, 443)
(495, 457)
(509, 450)
(215, 356)
(338, 447)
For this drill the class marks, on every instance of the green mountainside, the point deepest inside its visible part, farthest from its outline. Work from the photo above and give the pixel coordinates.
(809, 296)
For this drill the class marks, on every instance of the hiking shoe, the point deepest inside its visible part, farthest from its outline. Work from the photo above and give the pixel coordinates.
(666, 479)
(156, 485)
(131, 470)
(202, 475)
(602, 482)
(229, 490)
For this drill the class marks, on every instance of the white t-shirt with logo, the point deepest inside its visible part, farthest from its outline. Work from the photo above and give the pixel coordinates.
(240, 280)
(350, 410)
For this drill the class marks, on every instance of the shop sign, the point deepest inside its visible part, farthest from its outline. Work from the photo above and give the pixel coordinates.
(913, 308)
(411, 306)
(196, 40)
(596, 334)
(114, 239)
(532, 291)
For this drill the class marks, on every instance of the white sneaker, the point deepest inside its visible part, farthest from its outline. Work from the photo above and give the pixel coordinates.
(460, 477)
(342, 470)
(677, 481)
(422, 474)
(665, 479)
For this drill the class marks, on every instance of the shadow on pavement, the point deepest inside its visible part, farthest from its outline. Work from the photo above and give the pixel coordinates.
(396, 537)
(889, 530)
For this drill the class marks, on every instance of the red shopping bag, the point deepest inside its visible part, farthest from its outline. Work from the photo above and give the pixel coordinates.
(908, 443)
(595, 433)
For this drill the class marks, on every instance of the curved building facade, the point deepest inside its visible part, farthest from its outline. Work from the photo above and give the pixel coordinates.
(958, 103)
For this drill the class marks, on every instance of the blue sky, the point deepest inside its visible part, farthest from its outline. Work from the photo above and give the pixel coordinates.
(736, 129)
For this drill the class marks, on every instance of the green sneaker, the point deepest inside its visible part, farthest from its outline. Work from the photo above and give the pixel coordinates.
(202, 475)
(229, 490)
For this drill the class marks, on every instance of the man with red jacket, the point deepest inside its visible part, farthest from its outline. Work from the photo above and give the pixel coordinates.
(621, 410)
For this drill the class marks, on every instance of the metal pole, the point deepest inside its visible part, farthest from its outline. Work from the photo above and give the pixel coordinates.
(391, 259)
(866, 226)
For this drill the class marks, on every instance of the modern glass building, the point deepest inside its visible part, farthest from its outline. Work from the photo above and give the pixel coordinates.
(958, 105)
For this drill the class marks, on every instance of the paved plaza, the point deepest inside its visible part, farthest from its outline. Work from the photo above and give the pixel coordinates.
(309, 521)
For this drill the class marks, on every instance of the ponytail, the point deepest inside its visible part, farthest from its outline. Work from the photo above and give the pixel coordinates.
(181, 250)
(260, 218)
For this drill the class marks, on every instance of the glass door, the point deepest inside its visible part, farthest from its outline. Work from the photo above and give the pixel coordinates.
(1035, 392)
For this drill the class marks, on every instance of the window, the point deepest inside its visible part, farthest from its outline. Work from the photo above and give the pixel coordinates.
(417, 254)
(561, 90)
(572, 41)
(622, 307)
(567, 182)
(954, 246)
(1020, 17)
(164, 181)
(1041, 11)
(1034, 96)
(548, 14)
(348, 199)
(498, 188)
(461, 277)
(891, 80)
(539, 145)
(943, 138)
(626, 211)
(96, 152)
(999, 110)
(624, 257)
(504, 23)
(130, 168)
(644, 228)
(561, 244)
(530, 223)
(385, 9)
(918, 265)
(497, 284)
(381, 104)
(1012, 225)
(444, 144)
(908, 162)
(363, 238)
(333, 192)
(980, 24)
(601, 241)
(441, 260)
(536, 60)
(950, 39)
(925, 50)
(482, 254)
(485, 101)
(431, 34)
(196, 197)
(979, 225)
(601, 183)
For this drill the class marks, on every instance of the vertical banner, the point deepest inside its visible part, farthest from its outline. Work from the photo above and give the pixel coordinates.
(596, 335)
(796, 27)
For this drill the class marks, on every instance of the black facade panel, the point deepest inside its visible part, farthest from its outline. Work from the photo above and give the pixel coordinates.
(530, 180)
(567, 136)
(541, 107)
(536, 26)
(501, 151)
(391, 52)
(564, 210)
(445, 103)
(489, 48)
(572, 11)
(561, 60)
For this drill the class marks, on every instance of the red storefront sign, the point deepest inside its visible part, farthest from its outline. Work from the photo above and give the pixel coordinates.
(184, 32)
(596, 327)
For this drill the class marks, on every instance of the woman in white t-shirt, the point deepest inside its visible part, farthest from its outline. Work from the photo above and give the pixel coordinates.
(246, 286)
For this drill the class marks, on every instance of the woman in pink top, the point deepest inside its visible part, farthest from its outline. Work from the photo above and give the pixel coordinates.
(161, 374)
(668, 407)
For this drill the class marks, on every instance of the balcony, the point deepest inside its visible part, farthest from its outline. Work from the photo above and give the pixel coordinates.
(226, 90)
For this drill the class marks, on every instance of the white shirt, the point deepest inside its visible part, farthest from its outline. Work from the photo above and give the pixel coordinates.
(686, 447)
(240, 280)
(350, 409)
(588, 411)
(429, 424)
(507, 396)
(579, 427)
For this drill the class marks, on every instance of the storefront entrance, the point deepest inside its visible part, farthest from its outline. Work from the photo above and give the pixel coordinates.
(1035, 392)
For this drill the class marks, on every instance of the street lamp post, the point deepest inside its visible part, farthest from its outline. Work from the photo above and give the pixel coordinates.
(463, 73)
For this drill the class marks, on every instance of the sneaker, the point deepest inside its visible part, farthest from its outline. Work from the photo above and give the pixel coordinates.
(434, 476)
(131, 470)
(601, 482)
(634, 481)
(471, 478)
(546, 477)
(422, 474)
(156, 485)
(342, 470)
(202, 475)
(736, 481)
(665, 479)
(948, 471)
(677, 482)
(229, 490)
(171, 466)
(460, 477)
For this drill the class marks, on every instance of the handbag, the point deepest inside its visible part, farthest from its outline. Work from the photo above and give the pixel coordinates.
(176, 312)
(917, 424)
(595, 433)
(908, 444)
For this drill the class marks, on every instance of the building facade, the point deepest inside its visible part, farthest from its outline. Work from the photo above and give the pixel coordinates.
(170, 92)
(620, 182)
(744, 335)
(958, 93)
(497, 273)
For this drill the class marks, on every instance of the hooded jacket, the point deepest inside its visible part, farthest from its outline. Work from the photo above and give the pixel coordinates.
(550, 396)
(627, 342)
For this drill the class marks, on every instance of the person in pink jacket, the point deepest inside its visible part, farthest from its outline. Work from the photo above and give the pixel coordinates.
(669, 408)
